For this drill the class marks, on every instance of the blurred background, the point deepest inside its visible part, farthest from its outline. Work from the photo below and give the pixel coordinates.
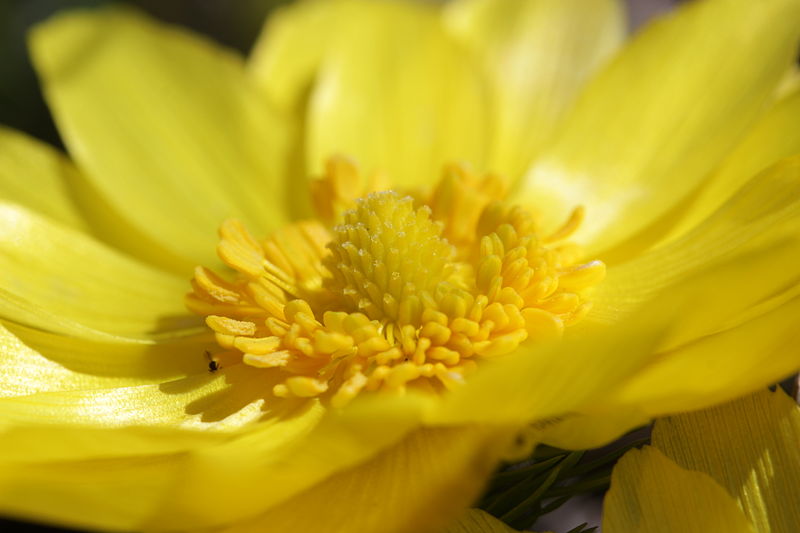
(234, 23)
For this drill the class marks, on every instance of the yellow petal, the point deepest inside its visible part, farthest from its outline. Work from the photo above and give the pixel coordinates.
(774, 137)
(85, 454)
(110, 226)
(419, 104)
(765, 210)
(165, 126)
(36, 176)
(71, 275)
(84, 475)
(591, 429)
(581, 368)
(85, 495)
(294, 449)
(748, 446)
(50, 443)
(718, 367)
(191, 401)
(755, 349)
(245, 457)
(291, 47)
(790, 82)
(586, 366)
(417, 485)
(17, 311)
(651, 494)
(578, 370)
(650, 126)
(38, 361)
(536, 56)
(477, 521)
(391, 88)
(69, 467)
(87, 477)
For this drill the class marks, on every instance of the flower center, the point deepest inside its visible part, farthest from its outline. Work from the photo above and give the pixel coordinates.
(387, 258)
(403, 292)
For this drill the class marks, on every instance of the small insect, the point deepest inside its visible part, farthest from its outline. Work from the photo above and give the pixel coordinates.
(213, 365)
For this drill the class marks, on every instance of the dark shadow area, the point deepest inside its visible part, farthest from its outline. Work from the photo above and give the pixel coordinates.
(13, 526)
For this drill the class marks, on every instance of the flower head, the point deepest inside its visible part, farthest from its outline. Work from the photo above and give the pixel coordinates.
(394, 295)
(394, 327)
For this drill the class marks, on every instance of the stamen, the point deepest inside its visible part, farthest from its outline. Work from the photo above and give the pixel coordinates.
(570, 226)
(336, 190)
(401, 293)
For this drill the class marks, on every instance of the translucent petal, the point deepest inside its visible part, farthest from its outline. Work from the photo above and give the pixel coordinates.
(592, 429)
(87, 494)
(85, 454)
(275, 462)
(390, 87)
(650, 126)
(585, 368)
(86, 476)
(766, 209)
(420, 102)
(690, 369)
(417, 485)
(718, 367)
(39, 361)
(651, 494)
(748, 446)
(536, 55)
(291, 47)
(165, 125)
(579, 370)
(220, 458)
(32, 443)
(774, 137)
(71, 275)
(18, 311)
(189, 477)
(184, 401)
(36, 176)
(40, 178)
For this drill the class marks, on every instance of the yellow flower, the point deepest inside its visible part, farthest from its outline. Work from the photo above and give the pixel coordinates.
(735, 467)
(110, 417)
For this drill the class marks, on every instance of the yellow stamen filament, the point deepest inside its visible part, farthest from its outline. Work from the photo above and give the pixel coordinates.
(336, 190)
(400, 293)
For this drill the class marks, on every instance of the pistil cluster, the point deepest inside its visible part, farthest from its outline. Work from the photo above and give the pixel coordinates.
(395, 292)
